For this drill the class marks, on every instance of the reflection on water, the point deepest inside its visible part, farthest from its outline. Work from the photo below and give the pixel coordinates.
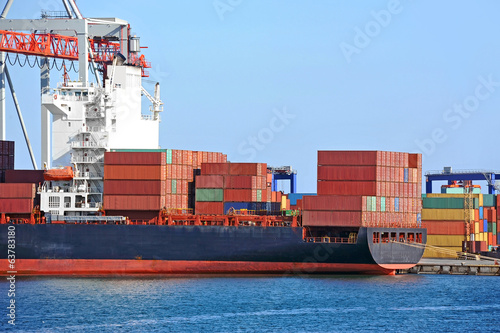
(228, 304)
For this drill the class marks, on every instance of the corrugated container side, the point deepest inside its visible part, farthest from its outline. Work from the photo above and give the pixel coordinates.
(445, 240)
(134, 202)
(331, 218)
(444, 227)
(135, 158)
(215, 168)
(240, 195)
(135, 172)
(17, 190)
(358, 173)
(16, 205)
(248, 169)
(214, 195)
(209, 208)
(24, 176)
(135, 187)
(240, 182)
(209, 181)
(347, 188)
(444, 214)
(347, 158)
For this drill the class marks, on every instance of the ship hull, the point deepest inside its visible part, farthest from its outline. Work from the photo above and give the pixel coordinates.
(94, 250)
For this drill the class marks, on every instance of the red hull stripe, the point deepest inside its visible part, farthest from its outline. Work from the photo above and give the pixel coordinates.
(101, 267)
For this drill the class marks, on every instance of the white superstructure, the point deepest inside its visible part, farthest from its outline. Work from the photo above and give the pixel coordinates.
(88, 120)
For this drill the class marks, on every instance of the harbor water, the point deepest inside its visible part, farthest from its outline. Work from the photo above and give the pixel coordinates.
(401, 303)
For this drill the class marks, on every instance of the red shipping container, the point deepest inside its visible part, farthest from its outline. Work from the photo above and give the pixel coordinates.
(241, 182)
(333, 202)
(135, 172)
(16, 205)
(249, 169)
(349, 158)
(331, 218)
(347, 188)
(209, 208)
(135, 158)
(444, 227)
(209, 181)
(17, 190)
(240, 195)
(359, 173)
(134, 202)
(215, 168)
(299, 203)
(135, 187)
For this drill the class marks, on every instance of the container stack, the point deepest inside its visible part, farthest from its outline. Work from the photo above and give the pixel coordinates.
(134, 181)
(6, 158)
(17, 198)
(444, 215)
(182, 166)
(224, 186)
(365, 188)
(151, 180)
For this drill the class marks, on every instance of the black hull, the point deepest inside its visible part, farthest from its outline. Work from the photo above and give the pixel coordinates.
(180, 249)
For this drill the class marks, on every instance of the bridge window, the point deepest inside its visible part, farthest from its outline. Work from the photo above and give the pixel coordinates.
(411, 237)
(394, 237)
(385, 237)
(54, 202)
(402, 237)
(419, 237)
(376, 237)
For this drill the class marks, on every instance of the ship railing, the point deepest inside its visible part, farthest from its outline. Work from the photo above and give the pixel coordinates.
(413, 225)
(86, 144)
(345, 240)
(146, 117)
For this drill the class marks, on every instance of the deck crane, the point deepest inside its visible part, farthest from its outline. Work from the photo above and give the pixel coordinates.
(81, 120)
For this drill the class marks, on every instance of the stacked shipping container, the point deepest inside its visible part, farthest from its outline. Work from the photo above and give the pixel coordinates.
(222, 186)
(6, 158)
(444, 216)
(363, 188)
(17, 198)
(150, 180)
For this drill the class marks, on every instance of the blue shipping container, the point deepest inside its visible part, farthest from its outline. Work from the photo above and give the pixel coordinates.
(485, 225)
(297, 196)
(396, 204)
(406, 175)
(481, 212)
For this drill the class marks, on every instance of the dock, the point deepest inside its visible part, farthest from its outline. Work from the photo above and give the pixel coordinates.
(456, 267)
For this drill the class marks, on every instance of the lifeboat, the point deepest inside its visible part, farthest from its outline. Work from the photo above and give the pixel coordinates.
(65, 173)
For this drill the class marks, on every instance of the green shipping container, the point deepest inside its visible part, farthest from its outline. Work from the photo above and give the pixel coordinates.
(210, 194)
(489, 200)
(374, 204)
(447, 203)
(494, 228)
(169, 156)
(490, 226)
(368, 204)
(174, 186)
(458, 190)
(382, 204)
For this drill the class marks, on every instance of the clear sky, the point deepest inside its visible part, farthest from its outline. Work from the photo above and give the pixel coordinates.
(274, 81)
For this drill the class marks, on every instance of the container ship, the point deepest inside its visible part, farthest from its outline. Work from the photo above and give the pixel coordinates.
(111, 203)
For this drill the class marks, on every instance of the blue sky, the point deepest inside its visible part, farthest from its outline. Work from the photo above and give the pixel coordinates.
(275, 81)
